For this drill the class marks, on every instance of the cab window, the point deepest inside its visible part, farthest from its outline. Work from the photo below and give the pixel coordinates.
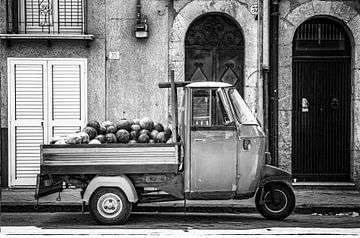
(208, 108)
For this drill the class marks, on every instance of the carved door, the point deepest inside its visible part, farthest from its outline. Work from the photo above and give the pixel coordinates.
(214, 51)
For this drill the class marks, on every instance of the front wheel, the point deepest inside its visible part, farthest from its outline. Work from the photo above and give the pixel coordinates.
(278, 201)
(110, 206)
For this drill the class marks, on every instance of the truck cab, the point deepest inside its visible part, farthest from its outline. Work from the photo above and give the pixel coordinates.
(224, 143)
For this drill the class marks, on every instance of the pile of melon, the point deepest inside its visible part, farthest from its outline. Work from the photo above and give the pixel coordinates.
(123, 131)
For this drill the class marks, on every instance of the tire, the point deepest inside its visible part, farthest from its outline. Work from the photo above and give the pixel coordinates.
(279, 201)
(110, 206)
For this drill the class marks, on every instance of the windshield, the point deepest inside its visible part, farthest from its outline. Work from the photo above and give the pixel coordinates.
(242, 111)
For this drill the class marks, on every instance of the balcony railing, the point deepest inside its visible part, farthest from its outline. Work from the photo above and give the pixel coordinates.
(46, 17)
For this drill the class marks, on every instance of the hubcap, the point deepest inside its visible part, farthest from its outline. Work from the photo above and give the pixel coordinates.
(275, 200)
(109, 205)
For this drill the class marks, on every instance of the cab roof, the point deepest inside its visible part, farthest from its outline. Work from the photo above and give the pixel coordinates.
(208, 84)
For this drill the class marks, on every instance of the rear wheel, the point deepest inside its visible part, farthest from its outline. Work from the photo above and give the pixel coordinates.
(110, 206)
(278, 201)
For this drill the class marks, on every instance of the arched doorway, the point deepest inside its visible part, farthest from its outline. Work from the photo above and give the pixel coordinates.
(214, 51)
(321, 123)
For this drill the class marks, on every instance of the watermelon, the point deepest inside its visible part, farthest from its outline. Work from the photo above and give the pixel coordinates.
(84, 137)
(110, 138)
(132, 142)
(159, 127)
(55, 139)
(101, 138)
(111, 129)
(106, 124)
(94, 142)
(123, 124)
(73, 139)
(91, 131)
(143, 138)
(134, 135)
(168, 131)
(94, 124)
(147, 123)
(162, 137)
(61, 142)
(169, 141)
(151, 141)
(122, 136)
(135, 127)
(136, 121)
(102, 130)
(153, 134)
(144, 131)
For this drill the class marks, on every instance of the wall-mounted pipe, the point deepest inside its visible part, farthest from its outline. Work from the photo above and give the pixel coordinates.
(273, 82)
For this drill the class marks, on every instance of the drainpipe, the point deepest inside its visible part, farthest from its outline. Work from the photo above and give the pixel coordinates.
(260, 96)
(273, 82)
(265, 70)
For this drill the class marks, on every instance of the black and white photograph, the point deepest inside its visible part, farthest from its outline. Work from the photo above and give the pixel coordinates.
(180, 118)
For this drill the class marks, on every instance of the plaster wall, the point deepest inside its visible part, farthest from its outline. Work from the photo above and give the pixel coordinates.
(292, 15)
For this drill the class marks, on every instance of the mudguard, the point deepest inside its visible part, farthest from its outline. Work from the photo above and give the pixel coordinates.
(121, 181)
(273, 174)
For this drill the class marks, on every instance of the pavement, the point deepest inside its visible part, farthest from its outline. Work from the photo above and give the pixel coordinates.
(308, 201)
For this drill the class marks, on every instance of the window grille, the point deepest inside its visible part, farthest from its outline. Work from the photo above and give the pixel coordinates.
(47, 16)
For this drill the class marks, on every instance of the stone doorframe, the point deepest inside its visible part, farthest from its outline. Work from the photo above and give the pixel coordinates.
(290, 20)
(246, 21)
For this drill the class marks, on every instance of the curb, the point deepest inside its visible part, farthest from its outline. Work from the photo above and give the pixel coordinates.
(308, 209)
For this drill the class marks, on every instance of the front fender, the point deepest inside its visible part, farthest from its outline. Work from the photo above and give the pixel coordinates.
(121, 181)
(273, 174)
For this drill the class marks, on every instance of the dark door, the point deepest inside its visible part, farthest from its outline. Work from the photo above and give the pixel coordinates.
(214, 51)
(321, 102)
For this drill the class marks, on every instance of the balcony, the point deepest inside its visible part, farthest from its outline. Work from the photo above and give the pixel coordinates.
(46, 20)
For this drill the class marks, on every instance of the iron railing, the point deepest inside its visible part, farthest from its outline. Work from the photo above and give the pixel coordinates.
(46, 16)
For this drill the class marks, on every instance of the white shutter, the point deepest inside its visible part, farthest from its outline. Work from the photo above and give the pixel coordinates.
(47, 97)
(71, 18)
(26, 118)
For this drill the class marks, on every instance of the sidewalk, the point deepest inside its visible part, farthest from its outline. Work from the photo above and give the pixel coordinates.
(307, 201)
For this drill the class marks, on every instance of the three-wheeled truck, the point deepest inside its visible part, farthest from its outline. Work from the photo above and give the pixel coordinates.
(221, 155)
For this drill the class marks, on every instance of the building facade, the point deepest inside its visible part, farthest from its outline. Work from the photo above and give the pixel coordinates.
(294, 62)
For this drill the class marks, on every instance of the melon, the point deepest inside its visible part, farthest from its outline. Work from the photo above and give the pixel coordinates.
(84, 137)
(101, 138)
(134, 135)
(94, 142)
(144, 131)
(73, 139)
(136, 121)
(162, 137)
(153, 134)
(147, 123)
(143, 138)
(151, 141)
(132, 142)
(110, 138)
(94, 124)
(159, 127)
(135, 127)
(111, 129)
(122, 136)
(91, 131)
(123, 124)
(55, 139)
(102, 130)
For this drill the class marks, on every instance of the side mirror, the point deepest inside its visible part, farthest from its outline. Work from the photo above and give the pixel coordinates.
(268, 158)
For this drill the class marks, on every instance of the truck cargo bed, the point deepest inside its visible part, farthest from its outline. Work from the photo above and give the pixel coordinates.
(109, 158)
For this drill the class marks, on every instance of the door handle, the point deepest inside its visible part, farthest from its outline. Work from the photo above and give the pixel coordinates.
(199, 140)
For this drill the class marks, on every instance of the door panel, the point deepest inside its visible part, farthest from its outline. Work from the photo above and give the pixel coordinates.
(213, 165)
(321, 120)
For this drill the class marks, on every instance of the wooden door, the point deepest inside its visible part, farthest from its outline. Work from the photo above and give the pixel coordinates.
(214, 51)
